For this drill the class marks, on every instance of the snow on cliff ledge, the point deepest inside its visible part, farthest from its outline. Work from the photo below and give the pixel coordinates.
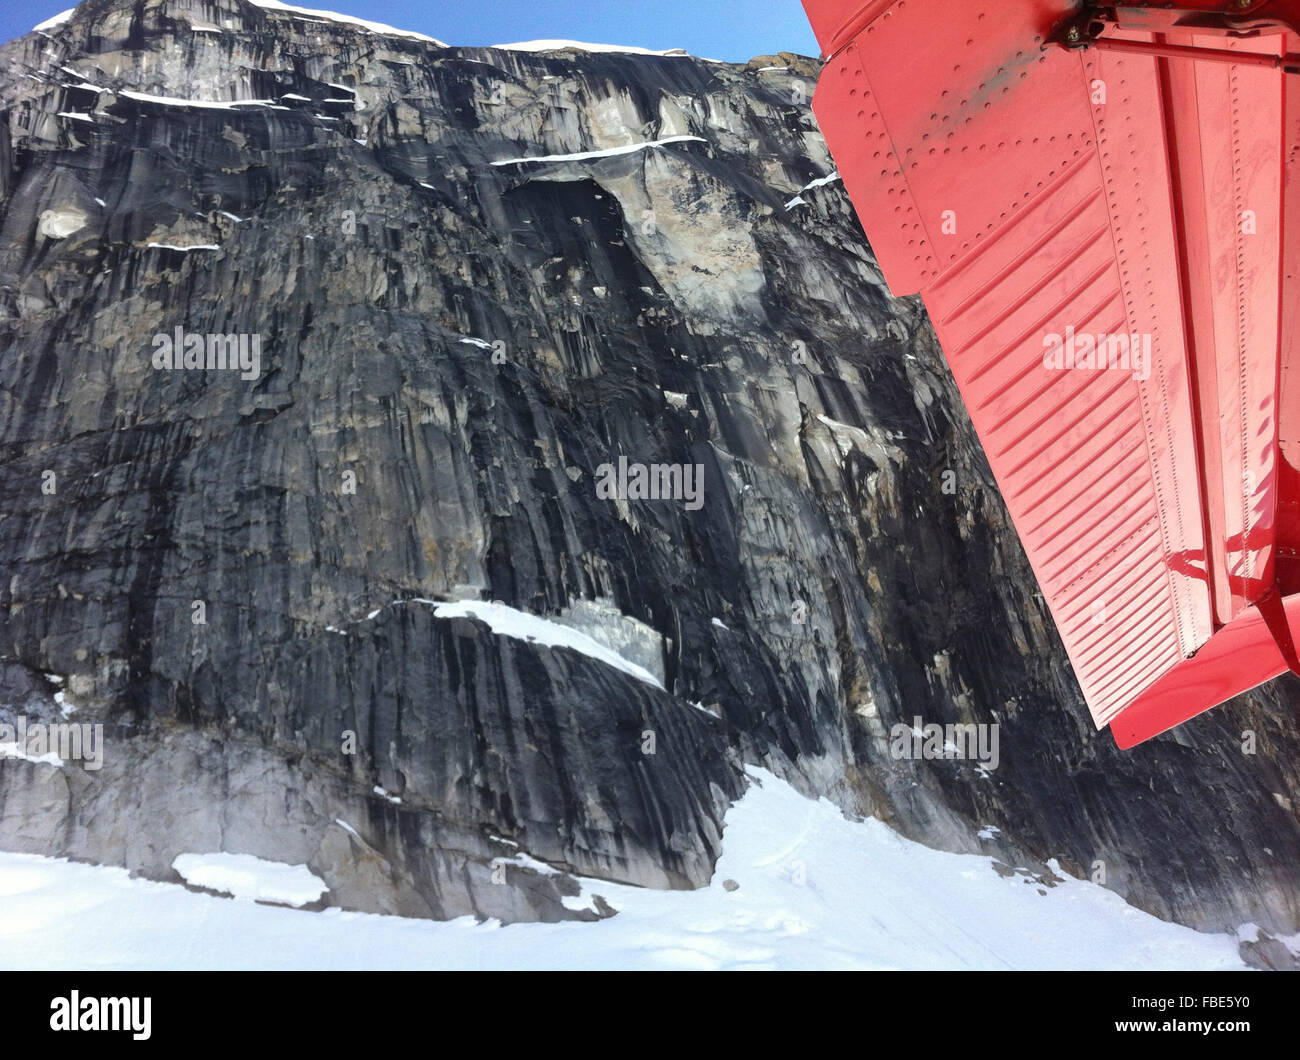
(57, 20)
(506, 621)
(311, 14)
(583, 46)
(305, 14)
(333, 16)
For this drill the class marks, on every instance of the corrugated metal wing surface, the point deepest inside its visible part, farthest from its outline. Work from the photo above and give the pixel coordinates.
(1046, 203)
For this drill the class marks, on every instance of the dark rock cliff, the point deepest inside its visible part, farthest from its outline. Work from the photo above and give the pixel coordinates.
(452, 344)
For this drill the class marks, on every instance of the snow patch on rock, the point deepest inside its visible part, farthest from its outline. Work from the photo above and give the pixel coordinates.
(505, 621)
(250, 879)
(584, 46)
(349, 20)
(52, 23)
(799, 200)
(59, 222)
(625, 149)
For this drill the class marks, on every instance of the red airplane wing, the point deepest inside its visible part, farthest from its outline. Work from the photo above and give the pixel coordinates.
(1097, 206)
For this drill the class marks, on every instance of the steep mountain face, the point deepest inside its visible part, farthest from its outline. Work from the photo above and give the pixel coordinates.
(482, 286)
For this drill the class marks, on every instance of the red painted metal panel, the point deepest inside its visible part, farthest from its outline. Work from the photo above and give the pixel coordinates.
(1242, 655)
(837, 21)
(1239, 112)
(1288, 458)
(1052, 204)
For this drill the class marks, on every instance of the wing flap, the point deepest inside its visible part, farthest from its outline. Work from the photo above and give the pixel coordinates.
(1098, 236)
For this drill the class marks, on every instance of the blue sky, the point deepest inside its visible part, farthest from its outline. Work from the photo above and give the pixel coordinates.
(719, 29)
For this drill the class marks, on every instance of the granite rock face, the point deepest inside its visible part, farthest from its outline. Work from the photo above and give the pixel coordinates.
(476, 280)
